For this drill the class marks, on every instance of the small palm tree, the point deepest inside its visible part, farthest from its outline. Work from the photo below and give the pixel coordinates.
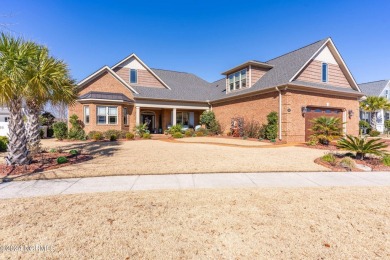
(362, 146)
(326, 129)
(47, 80)
(373, 104)
(14, 57)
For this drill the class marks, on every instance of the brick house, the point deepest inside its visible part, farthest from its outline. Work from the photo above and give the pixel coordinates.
(300, 85)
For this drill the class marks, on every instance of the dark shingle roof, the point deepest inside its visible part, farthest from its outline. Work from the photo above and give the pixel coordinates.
(105, 95)
(184, 86)
(373, 88)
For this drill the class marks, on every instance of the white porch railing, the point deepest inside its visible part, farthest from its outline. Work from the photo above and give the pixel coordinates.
(3, 129)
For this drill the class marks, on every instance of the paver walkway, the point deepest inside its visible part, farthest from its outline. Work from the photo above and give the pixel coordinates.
(19, 189)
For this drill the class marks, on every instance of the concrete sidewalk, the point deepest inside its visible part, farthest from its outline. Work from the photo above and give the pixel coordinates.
(19, 189)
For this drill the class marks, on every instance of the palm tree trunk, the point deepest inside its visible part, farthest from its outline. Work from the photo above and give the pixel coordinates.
(32, 127)
(373, 120)
(18, 153)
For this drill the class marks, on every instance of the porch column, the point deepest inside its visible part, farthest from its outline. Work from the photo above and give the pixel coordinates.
(137, 115)
(174, 116)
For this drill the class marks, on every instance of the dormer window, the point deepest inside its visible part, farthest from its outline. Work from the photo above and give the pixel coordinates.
(133, 76)
(237, 80)
(324, 72)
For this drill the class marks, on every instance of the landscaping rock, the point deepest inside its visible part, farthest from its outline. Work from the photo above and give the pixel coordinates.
(363, 167)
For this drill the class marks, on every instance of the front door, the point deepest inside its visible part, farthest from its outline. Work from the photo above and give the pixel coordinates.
(149, 121)
(314, 112)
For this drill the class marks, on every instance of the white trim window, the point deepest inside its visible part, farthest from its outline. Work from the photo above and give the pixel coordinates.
(133, 76)
(107, 115)
(125, 119)
(324, 71)
(387, 93)
(237, 80)
(86, 115)
(183, 118)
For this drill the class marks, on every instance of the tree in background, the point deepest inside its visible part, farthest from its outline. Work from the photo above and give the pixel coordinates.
(373, 104)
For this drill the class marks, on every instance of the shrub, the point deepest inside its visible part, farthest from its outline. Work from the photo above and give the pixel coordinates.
(270, 130)
(41, 133)
(325, 129)
(386, 160)
(73, 152)
(387, 126)
(52, 150)
(189, 133)
(347, 163)
(244, 137)
(374, 133)
(312, 141)
(62, 159)
(252, 129)
(129, 136)
(117, 133)
(97, 136)
(330, 158)
(146, 136)
(199, 134)
(364, 124)
(175, 129)
(272, 140)
(140, 130)
(92, 133)
(60, 130)
(3, 143)
(208, 118)
(113, 138)
(76, 132)
(177, 135)
(204, 131)
(361, 146)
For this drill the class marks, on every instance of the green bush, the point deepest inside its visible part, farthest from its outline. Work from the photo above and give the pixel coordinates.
(348, 163)
(73, 152)
(60, 130)
(92, 133)
(76, 132)
(146, 136)
(208, 118)
(361, 146)
(41, 133)
(3, 143)
(330, 158)
(386, 160)
(140, 130)
(118, 134)
(387, 126)
(62, 159)
(189, 133)
(52, 150)
(204, 131)
(113, 138)
(129, 136)
(175, 129)
(364, 124)
(199, 133)
(177, 135)
(272, 140)
(374, 133)
(97, 136)
(270, 130)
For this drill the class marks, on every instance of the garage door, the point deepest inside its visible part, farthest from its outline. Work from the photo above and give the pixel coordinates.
(314, 112)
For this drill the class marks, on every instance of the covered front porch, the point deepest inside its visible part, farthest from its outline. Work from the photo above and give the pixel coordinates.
(162, 116)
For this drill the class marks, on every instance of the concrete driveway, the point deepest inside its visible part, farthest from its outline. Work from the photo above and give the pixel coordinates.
(18, 189)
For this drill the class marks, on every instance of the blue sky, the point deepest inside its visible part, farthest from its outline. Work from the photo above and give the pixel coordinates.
(202, 36)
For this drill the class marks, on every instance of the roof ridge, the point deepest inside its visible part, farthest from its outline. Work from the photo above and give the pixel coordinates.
(297, 49)
(173, 71)
(374, 81)
(217, 80)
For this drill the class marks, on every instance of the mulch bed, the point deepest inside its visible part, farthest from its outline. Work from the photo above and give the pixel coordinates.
(42, 162)
(330, 147)
(374, 163)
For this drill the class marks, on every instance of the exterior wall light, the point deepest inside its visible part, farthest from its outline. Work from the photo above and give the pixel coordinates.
(304, 110)
(350, 113)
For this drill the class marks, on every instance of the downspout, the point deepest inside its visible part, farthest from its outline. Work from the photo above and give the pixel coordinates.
(210, 106)
(280, 113)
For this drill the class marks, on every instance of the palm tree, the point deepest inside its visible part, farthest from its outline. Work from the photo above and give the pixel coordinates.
(326, 129)
(47, 80)
(14, 57)
(362, 146)
(373, 104)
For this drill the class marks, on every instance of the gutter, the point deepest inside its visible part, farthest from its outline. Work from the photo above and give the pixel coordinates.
(280, 113)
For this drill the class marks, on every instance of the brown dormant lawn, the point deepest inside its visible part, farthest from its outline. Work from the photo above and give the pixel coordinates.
(164, 157)
(311, 223)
